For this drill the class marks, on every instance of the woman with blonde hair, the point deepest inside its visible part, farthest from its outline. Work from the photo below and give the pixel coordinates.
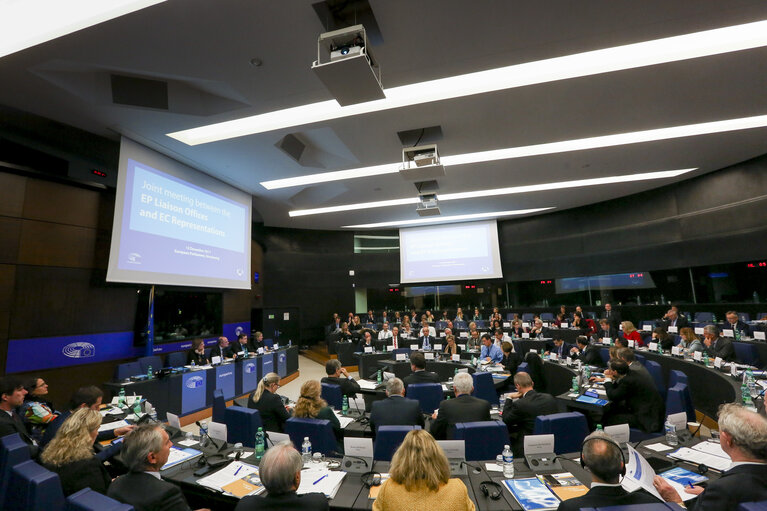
(631, 333)
(269, 404)
(419, 479)
(70, 454)
(688, 341)
(311, 406)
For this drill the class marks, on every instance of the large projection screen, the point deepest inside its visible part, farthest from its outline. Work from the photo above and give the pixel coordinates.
(174, 225)
(450, 252)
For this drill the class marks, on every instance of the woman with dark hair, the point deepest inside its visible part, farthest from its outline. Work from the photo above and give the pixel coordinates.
(535, 370)
(269, 404)
(36, 411)
(312, 406)
(660, 336)
(197, 354)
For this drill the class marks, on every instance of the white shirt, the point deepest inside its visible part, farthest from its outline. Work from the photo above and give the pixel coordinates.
(384, 334)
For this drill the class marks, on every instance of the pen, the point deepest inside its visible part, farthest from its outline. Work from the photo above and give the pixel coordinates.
(238, 470)
(320, 479)
(690, 484)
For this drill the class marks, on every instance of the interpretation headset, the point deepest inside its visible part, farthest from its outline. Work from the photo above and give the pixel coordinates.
(605, 438)
(491, 489)
(370, 479)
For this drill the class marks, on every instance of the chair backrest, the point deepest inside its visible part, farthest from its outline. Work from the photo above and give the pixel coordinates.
(484, 388)
(646, 322)
(219, 406)
(176, 359)
(388, 439)
(333, 395)
(641, 358)
(605, 354)
(32, 486)
(744, 317)
(547, 316)
(460, 325)
(89, 500)
(484, 439)
(656, 372)
(406, 351)
(753, 506)
(678, 400)
(126, 370)
(269, 343)
(676, 376)
(481, 323)
(155, 361)
(242, 425)
(569, 430)
(746, 353)
(528, 316)
(13, 450)
(441, 325)
(522, 368)
(428, 395)
(319, 431)
(704, 317)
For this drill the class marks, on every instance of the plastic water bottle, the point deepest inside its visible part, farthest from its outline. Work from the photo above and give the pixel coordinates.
(137, 407)
(259, 446)
(121, 398)
(745, 394)
(345, 405)
(751, 383)
(203, 434)
(575, 384)
(508, 463)
(671, 437)
(660, 348)
(378, 377)
(306, 450)
(737, 334)
(706, 361)
(599, 427)
(713, 318)
(149, 373)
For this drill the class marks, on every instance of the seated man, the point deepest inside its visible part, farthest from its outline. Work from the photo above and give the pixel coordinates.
(464, 408)
(717, 346)
(628, 356)
(396, 409)
(734, 323)
(419, 374)
(490, 352)
(672, 318)
(426, 341)
(633, 399)
(12, 394)
(605, 330)
(743, 436)
(385, 333)
(144, 452)
(587, 353)
(222, 349)
(334, 371)
(603, 457)
(280, 472)
(521, 409)
(366, 341)
(561, 349)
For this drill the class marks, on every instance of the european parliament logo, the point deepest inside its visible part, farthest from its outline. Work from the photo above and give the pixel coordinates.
(79, 350)
(238, 330)
(250, 368)
(194, 382)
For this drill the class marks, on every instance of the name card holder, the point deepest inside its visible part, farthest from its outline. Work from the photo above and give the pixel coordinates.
(728, 332)
(368, 349)
(607, 340)
(675, 351)
(438, 347)
(401, 356)
(564, 325)
(718, 362)
(647, 328)
(414, 347)
(525, 324)
(429, 355)
(462, 346)
(631, 343)
(455, 358)
(673, 329)
(759, 335)
(697, 356)
(525, 335)
(653, 346)
(698, 330)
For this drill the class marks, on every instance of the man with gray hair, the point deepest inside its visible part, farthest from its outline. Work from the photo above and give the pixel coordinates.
(145, 450)
(396, 409)
(338, 375)
(280, 472)
(743, 436)
(464, 408)
(717, 346)
(603, 457)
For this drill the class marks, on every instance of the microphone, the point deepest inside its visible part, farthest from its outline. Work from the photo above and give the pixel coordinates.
(205, 434)
(337, 454)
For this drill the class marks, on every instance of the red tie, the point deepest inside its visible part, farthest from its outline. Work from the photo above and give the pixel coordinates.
(395, 343)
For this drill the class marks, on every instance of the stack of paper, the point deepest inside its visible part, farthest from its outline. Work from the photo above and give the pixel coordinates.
(532, 494)
(680, 478)
(367, 384)
(345, 421)
(707, 453)
(237, 478)
(109, 426)
(320, 480)
(178, 456)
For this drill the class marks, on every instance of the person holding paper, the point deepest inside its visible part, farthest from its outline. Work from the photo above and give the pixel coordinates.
(338, 375)
(491, 352)
(280, 473)
(310, 405)
(634, 400)
(464, 408)
(145, 451)
(632, 334)
(265, 399)
(688, 341)
(717, 346)
(603, 457)
(743, 436)
(419, 374)
(396, 409)
(197, 354)
(70, 454)
(420, 479)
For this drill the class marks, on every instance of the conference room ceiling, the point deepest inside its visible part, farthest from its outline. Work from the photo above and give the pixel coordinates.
(203, 50)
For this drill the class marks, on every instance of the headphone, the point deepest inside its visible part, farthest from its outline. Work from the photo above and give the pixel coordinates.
(609, 440)
(370, 479)
(495, 493)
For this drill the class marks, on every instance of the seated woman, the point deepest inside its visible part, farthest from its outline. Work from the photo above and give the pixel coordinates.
(516, 329)
(496, 325)
(476, 316)
(197, 354)
(36, 411)
(630, 333)
(419, 479)
(70, 454)
(269, 404)
(559, 319)
(451, 348)
(510, 362)
(689, 342)
(310, 405)
(660, 336)
(578, 321)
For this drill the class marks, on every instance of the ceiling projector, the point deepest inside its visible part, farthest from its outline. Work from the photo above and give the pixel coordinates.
(345, 52)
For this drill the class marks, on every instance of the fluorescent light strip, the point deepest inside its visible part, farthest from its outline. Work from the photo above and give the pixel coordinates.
(454, 218)
(618, 58)
(580, 144)
(664, 174)
(27, 23)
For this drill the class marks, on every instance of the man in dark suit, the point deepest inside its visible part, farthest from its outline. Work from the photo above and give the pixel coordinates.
(612, 316)
(464, 408)
(588, 354)
(717, 346)
(633, 399)
(743, 436)
(734, 323)
(561, 349)
(338, 375)
(426, 341)
(627, 355)
(603, 457)
(222, 349)
(605, 330)
(12, 394)
(521, 409)
(144, 452)
(419, 374)
(396, 409)
(366, 341)
(280, 472)
(672, 318)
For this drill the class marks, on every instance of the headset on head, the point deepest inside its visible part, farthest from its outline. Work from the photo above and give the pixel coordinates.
(610, 441)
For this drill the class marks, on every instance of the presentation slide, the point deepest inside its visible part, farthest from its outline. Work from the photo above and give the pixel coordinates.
(450, 252)
(174, 225)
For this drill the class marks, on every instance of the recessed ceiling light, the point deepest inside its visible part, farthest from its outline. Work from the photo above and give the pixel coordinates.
(618, 58)
(580, 144)
(454, 218)
(664, 174)
(27, 23)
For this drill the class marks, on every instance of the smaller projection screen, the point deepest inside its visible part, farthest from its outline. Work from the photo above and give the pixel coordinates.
(174, 225)
(450, 252)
